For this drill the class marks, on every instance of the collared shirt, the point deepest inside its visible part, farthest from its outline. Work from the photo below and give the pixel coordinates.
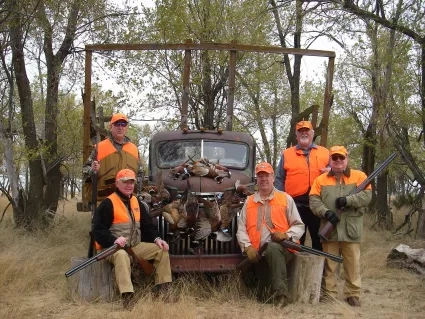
(296, 226)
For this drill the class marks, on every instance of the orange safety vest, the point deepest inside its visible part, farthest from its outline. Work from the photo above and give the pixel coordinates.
(112, 161)
(278, 222)
(123, 224)
(300, 174)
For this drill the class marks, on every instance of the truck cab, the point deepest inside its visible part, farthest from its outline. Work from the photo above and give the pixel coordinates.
(234, 151)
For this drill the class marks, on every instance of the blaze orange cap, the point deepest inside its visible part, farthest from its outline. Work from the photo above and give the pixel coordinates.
(304, 124)
(125, 175)
(264, 167)
(118, 117)
(337, 149)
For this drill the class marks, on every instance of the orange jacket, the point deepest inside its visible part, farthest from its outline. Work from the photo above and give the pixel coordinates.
(300, 174)
(125, 223)
(277, 221)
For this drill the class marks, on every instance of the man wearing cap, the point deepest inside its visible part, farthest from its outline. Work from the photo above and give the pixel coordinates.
(268, 216)
(112, 154)
(122, 219)
(298, 167)
(330, 192)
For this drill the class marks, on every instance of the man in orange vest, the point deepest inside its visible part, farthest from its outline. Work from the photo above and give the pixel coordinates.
(329, 193)
(122, 219)
(298, 167)
(111, 155)
(268, 216)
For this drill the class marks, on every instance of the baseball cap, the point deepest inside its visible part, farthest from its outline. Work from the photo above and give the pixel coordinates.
(125, 175)
(337, 149)
(264, 167)
(304, 124)
(118, 117)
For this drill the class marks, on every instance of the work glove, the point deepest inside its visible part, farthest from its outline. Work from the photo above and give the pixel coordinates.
(252, 254)
(331, 217)
(279, 236)
(341, 202)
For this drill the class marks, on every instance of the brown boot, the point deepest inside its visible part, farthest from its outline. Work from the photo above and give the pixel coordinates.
(128, 300)
(353, 301)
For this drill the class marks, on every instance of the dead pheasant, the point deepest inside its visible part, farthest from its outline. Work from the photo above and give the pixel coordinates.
(191, 206)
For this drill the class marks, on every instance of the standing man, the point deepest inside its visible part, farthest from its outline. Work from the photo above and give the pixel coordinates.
(110, 156)
(329, 193)
(268, 216)
(297, 169)
(122, 219)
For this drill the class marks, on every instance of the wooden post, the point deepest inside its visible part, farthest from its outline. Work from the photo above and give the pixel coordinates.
(93, 283)
(305, 277)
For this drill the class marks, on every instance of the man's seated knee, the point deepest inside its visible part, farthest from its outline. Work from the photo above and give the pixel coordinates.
(273, 247)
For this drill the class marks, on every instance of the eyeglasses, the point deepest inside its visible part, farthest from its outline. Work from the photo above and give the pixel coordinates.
(336, 157)
(122, 124)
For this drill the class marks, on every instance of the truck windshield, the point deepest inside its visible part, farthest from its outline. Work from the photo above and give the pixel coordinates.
(229, 154)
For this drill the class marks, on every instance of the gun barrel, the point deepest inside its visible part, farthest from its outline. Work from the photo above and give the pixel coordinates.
(79, 267)
(321, 253)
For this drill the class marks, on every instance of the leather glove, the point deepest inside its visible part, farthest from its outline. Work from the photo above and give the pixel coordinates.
(331, 217)
(252, 254)
(341, 202)
(279, 236)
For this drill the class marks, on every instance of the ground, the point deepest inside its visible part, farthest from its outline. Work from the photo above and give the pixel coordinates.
(32, 268)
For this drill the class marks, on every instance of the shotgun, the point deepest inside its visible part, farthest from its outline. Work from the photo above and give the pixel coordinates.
(145, 265)
(102, 255)
(244, 264)
(326, 231)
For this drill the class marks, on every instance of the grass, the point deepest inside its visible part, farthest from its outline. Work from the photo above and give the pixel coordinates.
(33, 284)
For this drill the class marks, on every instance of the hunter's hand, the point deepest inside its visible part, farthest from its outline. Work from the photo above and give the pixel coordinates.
(95, 166)
(252, 254)
(341, 202)
(332, 217)
(279, 236)
(162, 244)
(121, 241)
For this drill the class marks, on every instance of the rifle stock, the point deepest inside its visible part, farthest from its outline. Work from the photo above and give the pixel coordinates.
(244, 264)
(145, 265)
(326, 231)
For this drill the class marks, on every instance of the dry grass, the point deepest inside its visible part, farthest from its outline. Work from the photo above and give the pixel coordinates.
(33, 283)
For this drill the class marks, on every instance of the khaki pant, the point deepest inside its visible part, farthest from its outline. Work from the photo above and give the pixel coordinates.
(350, 253)
(148, 251)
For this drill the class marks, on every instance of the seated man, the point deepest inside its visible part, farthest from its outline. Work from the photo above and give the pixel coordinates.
(268, 217)
(121, 219)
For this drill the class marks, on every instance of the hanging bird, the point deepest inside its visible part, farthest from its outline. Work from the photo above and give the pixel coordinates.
(162, 191)
(242, 189)
(212, 213)
(191, 206)
(202, 228)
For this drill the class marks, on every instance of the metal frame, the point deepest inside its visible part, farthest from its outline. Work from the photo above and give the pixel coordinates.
(188, 46)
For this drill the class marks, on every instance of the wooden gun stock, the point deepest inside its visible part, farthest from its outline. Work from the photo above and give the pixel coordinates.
(326, 231)
(145, 265)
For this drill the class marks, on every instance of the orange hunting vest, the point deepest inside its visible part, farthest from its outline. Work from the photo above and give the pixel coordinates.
(299, 174)
(112, 162)
(123, 224)
(278, 222)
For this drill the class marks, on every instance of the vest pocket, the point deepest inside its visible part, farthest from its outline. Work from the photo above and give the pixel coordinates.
(354, 227)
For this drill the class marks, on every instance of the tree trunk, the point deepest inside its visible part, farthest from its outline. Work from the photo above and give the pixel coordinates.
(30, 217)
(305, 277)
(383, 211)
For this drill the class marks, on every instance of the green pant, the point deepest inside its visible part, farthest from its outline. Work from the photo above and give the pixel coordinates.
(269, 276)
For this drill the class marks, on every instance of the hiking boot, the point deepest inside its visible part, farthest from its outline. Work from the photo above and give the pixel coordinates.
(353, 301)
(128, 300)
